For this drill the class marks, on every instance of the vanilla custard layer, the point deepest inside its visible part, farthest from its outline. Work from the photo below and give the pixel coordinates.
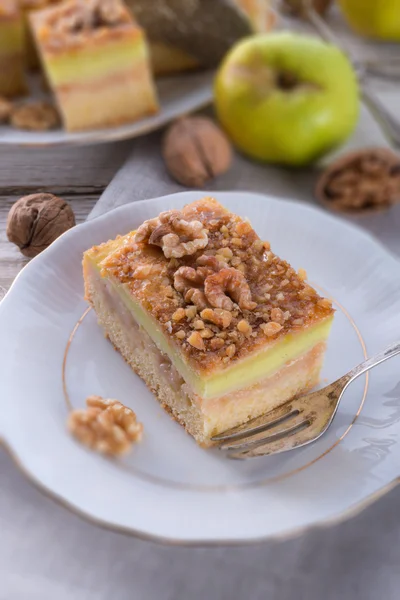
(240, 375)
(93, 62)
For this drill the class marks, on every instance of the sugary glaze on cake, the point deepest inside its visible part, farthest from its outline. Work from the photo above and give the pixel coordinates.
(212, 285)
(72, 24)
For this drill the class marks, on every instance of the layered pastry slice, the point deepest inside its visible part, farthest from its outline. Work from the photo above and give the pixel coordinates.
(220, 329)
(12, 49)
(96, 61)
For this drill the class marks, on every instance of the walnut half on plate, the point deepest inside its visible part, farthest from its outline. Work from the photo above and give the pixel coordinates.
(106, 426)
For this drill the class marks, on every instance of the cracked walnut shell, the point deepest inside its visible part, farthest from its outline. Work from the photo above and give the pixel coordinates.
(367, 179)
(35, 221)
(196, 150)
(106, 426)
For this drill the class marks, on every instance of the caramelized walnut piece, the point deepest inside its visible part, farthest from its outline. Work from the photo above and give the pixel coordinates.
(196, 297)
(196, 341)
(270, 329)
(35, 116)
(216, 344)
(106, 426)
(225, 283)
(176, 236)
(213, 262)
(220, 317)
(186, 278)
(367, 179)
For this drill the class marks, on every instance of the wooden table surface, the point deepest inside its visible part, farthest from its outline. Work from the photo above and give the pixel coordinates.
(78, 175)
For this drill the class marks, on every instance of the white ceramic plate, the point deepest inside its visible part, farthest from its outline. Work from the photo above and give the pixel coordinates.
(168, 488)
(177, 95)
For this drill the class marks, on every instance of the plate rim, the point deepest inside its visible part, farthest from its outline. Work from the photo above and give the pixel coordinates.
(121, 133)
(349, 512)
(352, 511)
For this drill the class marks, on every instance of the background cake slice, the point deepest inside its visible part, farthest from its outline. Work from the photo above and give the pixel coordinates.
(219, 327)
(12, 51)
(96, 61)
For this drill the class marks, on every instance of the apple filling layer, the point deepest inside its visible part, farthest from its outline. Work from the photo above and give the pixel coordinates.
(218, 345)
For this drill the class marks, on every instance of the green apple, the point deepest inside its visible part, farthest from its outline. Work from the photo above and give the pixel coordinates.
(286, 98)
(374, 18)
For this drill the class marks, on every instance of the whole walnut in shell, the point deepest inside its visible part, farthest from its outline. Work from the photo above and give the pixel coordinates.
(35, 221)
(196, 150)
(363, 180)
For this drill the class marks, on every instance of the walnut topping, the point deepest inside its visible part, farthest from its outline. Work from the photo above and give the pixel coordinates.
(186, 278)
(206, 333)
(277, 316)
(244, 327)
(106, 426)
(215, 263)
(213, 304)
(228, 281)
(230, 350)
(176, 236)
(197, 298)
(179, 314)
(191, 312)
(75, 18)
(220, 317)
(324, 303)
(302, 274)
(367, 179)
(196, 340)
(216, 344)
(146, 271)
(270, 329)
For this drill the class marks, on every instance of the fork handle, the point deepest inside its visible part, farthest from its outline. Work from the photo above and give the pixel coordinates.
(368, 364)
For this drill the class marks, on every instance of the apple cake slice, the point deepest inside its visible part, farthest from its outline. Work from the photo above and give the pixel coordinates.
(220, 329)
(96, 60)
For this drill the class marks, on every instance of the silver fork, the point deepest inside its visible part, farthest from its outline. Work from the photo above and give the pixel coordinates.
(388, 123)
(296, 423)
